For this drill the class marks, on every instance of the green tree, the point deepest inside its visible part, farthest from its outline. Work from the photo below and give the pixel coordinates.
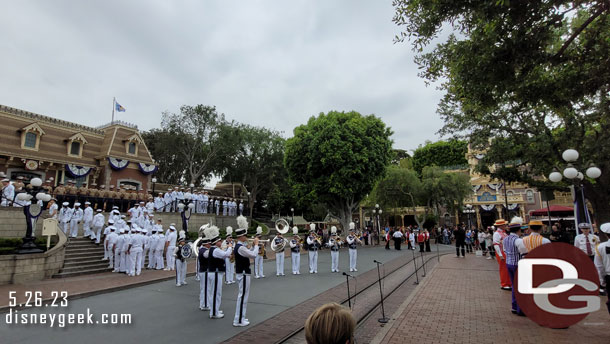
(257, 161)
(440, 153)
(161, 143)
(336, 159)
(202, 140)
(523, 79)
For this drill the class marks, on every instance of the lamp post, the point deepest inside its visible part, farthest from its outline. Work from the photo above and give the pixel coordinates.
(469, 210)
(292, 221)
(31, 211)
(249, 208)
(154, 181)
(576, 177)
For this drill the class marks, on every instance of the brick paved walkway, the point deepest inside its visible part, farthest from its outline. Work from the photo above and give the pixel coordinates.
(460, 302)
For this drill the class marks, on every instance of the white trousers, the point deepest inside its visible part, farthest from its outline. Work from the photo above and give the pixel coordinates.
(106, 252)
(73, 228)
(258, 266)
(152, 259)
(334, 258)
(117, 259)
(64, 227)
(279, 262)
(215, 291)
(87, 228)
(144, 254)
(203, 289)
(296, 262)
(97, 232)
(353, 257)
(110, 259)
(169, 257)
(123, 262)
(181, 271)
(243, 281)
(230, 273)
(135, 259)
(204, 207)
(159, 259)
(313, 261)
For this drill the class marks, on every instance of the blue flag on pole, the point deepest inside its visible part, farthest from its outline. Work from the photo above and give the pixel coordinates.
(119, 107)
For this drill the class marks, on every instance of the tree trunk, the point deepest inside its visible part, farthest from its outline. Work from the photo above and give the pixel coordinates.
(600, 200)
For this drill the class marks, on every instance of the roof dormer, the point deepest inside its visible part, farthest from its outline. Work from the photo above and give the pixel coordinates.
(30, 136)
(75, 145)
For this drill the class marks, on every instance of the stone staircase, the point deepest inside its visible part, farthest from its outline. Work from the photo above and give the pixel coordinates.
(82, 257)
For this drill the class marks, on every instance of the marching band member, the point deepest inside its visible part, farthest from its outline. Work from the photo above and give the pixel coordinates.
(314, 245)
(181, 262)
(333, 244)
(602, 262)
(352, 243)
(295, 249)
(242, 262)
(498, 236)
(279, 242)
(216, 269)
(258, 261)
(203, 274)
(229, 262)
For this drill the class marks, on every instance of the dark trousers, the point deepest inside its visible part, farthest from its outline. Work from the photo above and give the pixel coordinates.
(387, 244)
(483, 248)
(469, 247)
(428, 246)
(422, 246)
(397, 244)
(512, 271)
(607, 279)
(366, 240)
(458, 245)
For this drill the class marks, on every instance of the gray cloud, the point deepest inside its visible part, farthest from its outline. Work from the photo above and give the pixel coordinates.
(268, 63)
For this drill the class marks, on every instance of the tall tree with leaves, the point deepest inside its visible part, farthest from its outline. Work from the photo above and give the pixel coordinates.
(161, 143)
(202, 140)
(336, 159)
(451, 153)
(532, 76)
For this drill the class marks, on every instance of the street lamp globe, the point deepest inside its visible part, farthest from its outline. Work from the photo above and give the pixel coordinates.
(593, 172)
(374, 211)
(36, 182)
(580, 176)
(46, 198)
(40, 196)
(380, 211)
(377, 206)
(23, 196)
(181, 206)
(192, 185)
(191, 206)
(292, 210)
(154, 180)
(570, 155)
(555, 177)
(570, 172)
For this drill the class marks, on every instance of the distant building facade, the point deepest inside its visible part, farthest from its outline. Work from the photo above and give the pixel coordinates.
(34, 145)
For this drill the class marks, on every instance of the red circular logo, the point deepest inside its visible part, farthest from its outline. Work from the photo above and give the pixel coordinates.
(557, 285)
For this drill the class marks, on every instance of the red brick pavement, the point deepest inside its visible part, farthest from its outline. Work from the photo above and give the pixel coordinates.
(461, 302)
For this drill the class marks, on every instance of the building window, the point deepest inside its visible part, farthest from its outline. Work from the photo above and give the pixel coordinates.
(529, 195)
(131, 148)
(30, 140)
(75, 148)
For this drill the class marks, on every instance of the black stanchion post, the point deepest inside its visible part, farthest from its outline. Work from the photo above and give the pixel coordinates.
(415, 265)
(423, 263)
(383, 319)
(438, 257)
(349, 298)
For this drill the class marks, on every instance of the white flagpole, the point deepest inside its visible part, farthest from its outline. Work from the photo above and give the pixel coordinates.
(113, 106)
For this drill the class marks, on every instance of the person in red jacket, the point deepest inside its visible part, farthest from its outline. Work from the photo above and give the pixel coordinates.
(421, 239)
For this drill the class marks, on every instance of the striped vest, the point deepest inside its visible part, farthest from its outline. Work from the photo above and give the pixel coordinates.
(511, 250)
(532, 241)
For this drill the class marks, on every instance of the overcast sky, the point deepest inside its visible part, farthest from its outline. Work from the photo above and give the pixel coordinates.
(266, 63)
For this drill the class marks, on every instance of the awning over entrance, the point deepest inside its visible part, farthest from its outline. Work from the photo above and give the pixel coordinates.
(554, 209)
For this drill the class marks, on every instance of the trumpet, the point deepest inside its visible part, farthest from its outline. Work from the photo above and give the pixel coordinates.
(259, 240)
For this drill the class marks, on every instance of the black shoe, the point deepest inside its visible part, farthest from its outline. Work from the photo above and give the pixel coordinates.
(514, 311)
(506, 288)
(521, 314)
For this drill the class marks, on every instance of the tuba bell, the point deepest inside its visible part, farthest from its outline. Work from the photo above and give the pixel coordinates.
(282, 227)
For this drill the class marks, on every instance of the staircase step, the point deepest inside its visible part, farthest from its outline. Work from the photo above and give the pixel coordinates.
(96, 266)
(83, 261)
(84, 255)
(84, 249)
(82, 272)
(81, 244)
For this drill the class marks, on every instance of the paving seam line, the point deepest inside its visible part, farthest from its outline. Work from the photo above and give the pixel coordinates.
(384, 331)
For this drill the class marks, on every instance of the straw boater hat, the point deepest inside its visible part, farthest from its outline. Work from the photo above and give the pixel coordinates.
(515, 224)
(500, 222)
(242, 226)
